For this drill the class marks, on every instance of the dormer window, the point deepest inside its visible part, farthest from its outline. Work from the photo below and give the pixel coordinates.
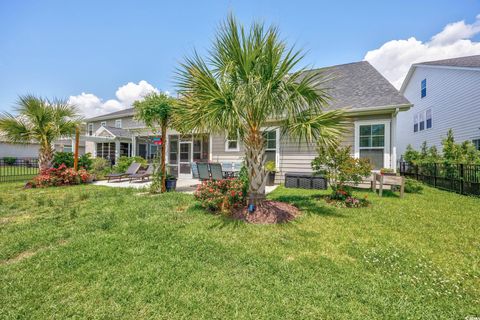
(103, 123)
(90, 129)
(118, 123)
(424, 88)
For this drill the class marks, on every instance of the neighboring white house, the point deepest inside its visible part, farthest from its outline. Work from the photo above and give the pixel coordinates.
(445, 95)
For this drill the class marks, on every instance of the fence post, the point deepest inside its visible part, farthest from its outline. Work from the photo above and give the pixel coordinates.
(435, 174)
(416, 171)
(461, 178)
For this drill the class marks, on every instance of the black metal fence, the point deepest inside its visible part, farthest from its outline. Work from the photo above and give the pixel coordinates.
(17, 169)
(460, 178)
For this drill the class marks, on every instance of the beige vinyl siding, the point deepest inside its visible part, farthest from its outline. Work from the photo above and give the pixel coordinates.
(127, 123)
(297, 156)
(218, 150)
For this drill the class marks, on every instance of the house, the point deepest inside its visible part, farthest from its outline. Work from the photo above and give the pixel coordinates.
(445, 95)
(370, 101)
(30, 150)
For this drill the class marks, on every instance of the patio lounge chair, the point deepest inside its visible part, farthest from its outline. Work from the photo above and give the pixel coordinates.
(203, 172)
(140, 176)
(216, 171)
(132, 169)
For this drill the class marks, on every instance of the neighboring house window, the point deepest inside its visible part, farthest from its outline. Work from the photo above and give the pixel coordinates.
(424, 88)
(415, 123)
(372, 144)
(118, 123)
(232, 144)
(103, 123)
(90, 129)
(428, 117)
(421, 121)
(476, 142)
(67, 148)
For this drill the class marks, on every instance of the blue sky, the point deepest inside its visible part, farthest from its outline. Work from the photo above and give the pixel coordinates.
(64, 48)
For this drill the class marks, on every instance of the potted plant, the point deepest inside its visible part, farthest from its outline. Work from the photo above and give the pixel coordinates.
(170, 183)
(387, 172)
(271, 170)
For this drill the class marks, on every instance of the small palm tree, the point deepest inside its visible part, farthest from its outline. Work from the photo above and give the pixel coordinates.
(39, 120)
(156, 110)
(248, 82)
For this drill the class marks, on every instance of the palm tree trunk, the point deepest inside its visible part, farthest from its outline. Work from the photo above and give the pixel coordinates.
(45, 156)
(163, 157)
(255, 161)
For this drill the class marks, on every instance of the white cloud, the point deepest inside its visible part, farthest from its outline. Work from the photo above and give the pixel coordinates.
(394, 58)
(90, 105)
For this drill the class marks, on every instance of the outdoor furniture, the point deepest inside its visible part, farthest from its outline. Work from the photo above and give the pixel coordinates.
(216, 171)
(141, 176)
(387, 180)
(132, 169)
(305, 181)
(203, 172)
(194, 170)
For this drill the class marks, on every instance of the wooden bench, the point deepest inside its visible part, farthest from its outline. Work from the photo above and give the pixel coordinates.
(388, 180)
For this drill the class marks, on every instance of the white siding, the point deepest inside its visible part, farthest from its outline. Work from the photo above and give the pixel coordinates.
(454, 97)
(18, 150)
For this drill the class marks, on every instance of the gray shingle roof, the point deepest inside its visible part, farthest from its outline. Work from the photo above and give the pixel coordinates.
(116, 114)
(119, 133)
(359, 85)
(464, 62)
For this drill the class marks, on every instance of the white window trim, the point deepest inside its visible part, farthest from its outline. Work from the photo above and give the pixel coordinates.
(118, 121)
(90, 129)
(227, 149)
(423, 113)
(277, 149)
(103, 123)
(386, 148)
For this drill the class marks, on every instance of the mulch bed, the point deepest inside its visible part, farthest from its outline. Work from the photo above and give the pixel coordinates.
(269, 212)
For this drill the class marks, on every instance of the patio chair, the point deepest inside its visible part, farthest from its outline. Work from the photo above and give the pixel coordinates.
(132, 169)
(141, 176)
(216, 171)
(203, 172)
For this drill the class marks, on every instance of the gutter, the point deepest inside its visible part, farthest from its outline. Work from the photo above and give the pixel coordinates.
(378, 110)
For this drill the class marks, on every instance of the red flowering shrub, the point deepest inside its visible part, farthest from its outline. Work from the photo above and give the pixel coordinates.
(220, 195)
(60, 176)
(342, 197)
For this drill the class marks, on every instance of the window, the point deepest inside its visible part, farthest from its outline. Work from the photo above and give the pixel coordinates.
(415, 123)
(428, 117)
(232, 144)
(421, 121)
(424, 88)
(67, 148)
(476, 142)
(372, 144)
(103, 123)
(118, 123)
(90, 129)
(270, 145)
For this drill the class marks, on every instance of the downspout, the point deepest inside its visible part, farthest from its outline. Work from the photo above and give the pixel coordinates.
(393, 160)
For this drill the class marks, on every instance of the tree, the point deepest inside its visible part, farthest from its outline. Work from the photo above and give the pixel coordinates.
(247, 83)
(156, 111)
(40, 120)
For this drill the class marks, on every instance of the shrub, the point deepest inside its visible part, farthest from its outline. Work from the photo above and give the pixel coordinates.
(10, 161)
(413, 186)
(100, 167)
(270, 166)
(243, 177)
(67, 158)
(340, 167)
(344, 198)
(60, 176)
(124, 162)
(220, 195)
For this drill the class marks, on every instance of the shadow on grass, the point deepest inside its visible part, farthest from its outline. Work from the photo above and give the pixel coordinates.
(312, 204)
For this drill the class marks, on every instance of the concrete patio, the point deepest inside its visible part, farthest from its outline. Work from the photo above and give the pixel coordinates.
(183, 185)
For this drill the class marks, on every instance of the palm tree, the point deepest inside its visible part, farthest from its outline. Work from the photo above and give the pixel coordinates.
(156, 110)
(39, 120)
(249, 82)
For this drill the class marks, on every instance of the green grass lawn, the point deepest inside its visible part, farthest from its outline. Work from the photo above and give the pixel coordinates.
(93, 252)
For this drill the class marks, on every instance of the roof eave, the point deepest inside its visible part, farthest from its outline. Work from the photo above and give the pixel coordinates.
(378, 109)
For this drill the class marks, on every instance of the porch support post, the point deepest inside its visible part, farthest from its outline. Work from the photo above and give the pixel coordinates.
(117, 150)
(134, 146)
